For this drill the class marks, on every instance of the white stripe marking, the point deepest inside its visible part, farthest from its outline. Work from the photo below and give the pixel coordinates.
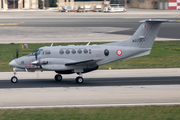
(172, 4)
(93, 105)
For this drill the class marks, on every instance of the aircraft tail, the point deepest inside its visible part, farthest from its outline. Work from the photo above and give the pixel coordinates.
(145, 35)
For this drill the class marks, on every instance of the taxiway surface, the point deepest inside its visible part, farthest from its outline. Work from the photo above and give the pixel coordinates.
(106, 87)
(53, 26)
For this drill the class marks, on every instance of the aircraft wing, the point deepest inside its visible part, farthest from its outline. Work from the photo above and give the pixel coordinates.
(86, 62)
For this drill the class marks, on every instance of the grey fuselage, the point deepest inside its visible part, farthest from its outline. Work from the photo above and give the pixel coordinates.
(54, 59)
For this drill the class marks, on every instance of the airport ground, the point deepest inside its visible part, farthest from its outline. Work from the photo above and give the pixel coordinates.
(54, 26)
(100, 88)
(103, 88)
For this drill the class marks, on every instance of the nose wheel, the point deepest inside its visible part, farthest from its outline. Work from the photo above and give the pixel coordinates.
(58, 77)
(14, 79)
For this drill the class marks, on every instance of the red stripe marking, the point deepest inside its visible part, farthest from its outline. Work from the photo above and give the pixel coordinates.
(29, 66)
(172, 7)
(29, 61)
(172, 0)
(178, 4)
(144, 26)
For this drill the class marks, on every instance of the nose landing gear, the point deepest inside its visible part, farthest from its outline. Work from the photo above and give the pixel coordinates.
(14, 79)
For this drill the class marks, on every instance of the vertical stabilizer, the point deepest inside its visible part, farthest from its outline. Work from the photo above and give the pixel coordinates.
(145, 35)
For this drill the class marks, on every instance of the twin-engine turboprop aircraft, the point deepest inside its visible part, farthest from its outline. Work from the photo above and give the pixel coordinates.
(86, 58)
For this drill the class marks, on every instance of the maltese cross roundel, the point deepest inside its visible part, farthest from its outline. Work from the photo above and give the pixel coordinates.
(119, 52)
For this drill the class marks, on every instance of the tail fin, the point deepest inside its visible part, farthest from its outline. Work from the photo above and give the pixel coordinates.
(146, 33)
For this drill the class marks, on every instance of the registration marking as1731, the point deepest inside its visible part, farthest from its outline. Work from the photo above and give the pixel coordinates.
(138, 40)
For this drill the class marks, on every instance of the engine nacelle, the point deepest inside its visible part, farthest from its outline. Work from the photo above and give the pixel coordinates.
(19, 69)
(23, 70)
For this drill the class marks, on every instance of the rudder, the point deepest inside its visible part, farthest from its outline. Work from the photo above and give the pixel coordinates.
(146, 33)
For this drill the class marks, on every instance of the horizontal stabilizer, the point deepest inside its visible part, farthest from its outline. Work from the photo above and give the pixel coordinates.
(157, 20)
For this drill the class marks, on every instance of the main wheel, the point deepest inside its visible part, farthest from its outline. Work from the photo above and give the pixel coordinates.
(79, 80)
(58, 77)
(14, 79)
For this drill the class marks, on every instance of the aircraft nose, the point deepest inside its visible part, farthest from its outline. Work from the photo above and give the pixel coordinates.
(13, 63)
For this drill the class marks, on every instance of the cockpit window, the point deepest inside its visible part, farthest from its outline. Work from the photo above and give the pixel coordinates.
(37, 52)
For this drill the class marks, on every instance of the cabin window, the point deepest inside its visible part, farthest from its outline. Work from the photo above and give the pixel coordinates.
(106, 52)
(67, 51)
(61, 51)
(73, 51)
(79, 51)
(47, 52)
(85, 51)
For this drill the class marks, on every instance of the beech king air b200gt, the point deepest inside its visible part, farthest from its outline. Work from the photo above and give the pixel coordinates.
(86, 58)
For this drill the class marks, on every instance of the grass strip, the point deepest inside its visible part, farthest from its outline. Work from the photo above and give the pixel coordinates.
(104, 113)
(164, 54)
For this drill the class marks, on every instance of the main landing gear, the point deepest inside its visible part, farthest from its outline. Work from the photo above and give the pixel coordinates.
(14, 79)
(78, 79)
(58, 77)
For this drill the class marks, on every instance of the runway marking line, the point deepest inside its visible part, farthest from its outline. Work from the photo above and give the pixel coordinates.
(129, 18)
(91, 105)
(140, 81)
(9, 24)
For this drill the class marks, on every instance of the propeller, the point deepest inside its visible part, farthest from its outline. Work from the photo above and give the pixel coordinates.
(37, 62)
(16, 55)
(36, 56)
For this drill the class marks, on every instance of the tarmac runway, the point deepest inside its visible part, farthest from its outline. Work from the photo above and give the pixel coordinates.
(101, 87)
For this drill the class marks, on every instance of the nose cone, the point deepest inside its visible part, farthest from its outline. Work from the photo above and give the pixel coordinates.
(13, 63)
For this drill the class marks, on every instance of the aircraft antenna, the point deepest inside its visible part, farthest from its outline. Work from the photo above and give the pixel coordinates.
(51, 44)
(88, 43)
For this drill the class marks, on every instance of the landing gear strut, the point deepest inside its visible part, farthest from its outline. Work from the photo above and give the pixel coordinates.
(79, 79)
(58, 77)
(14, 79)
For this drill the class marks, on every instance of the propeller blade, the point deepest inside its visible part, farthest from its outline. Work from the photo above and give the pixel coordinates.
(17, 53)
(36, 56)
